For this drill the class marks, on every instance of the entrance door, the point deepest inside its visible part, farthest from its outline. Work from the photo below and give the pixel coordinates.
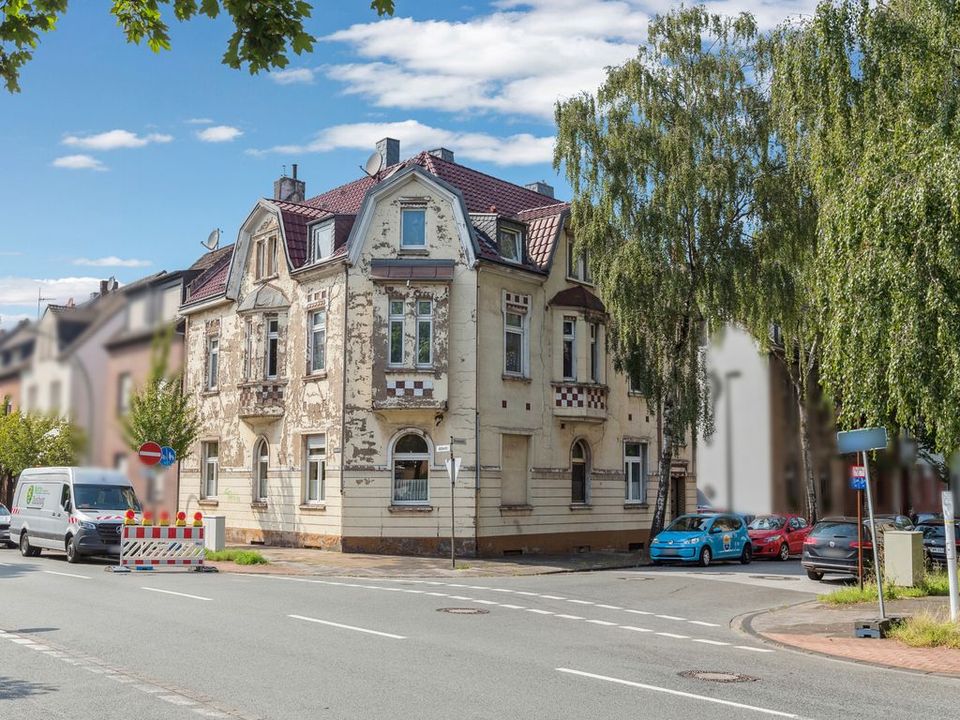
(678, 495)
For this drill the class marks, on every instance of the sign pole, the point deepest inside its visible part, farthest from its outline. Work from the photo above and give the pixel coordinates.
(860, 538)
(950, 532)
(453, 514)
(875, 539)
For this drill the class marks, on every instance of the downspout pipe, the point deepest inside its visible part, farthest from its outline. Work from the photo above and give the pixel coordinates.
(476, 424)
(343, 387)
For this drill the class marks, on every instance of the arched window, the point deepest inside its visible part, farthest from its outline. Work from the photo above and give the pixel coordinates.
(411, 465)
(579, 473)
(261, 462)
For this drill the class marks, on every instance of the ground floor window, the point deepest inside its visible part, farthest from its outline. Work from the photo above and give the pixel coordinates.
(411, 464)
(635, 471)
(261, 464)
(209, 467)
(316, 468)
(579, 473)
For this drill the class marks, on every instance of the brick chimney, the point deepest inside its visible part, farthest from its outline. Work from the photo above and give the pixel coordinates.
(540, 187)
(290, 189)
(389, 150)
(442, 153)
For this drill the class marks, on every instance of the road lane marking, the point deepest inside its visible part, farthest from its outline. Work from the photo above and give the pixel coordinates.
(526, 592)
(674, 636)
(752, 649)
(176, 700)
(602, 622)
(539, 612)
(180, 594)
(635, 629)
(21, 641)
(701, 622)
(552, 597)
(512, 607)
(348, 627)
(669, 617)
(710, 642)
(579, 602)
(485, 602)
(609, 607)
(569, 617)
(63, 574)
(680, 693)
(637, 612)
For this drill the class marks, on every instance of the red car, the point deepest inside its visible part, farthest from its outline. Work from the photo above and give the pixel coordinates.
(778, 536)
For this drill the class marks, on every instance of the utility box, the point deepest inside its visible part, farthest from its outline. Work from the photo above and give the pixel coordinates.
(903, 557)
(214, 532)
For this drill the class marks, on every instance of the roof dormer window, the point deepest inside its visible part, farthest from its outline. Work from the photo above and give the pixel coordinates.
(413, 234)
(321, 241)
(511, 244)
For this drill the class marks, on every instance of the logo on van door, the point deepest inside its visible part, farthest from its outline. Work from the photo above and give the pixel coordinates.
(36, 496)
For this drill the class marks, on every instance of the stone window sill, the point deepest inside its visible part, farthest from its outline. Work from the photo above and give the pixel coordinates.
(310, 377)
(413, 252)
(516, 378)
(208, 502)
(414, 509)
(516, 509)
(258, 505)
(210, 392)
(635, 506)
(578, 507)
(400, 369)
(313, 507)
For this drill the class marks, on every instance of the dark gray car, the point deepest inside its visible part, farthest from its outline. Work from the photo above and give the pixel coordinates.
(831, 547)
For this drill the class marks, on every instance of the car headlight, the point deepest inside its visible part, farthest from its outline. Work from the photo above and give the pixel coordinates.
(690, 541)
(87, 525)
(775, 538)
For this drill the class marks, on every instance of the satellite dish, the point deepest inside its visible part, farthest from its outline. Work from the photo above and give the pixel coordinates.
(212, 241)
(374, 164)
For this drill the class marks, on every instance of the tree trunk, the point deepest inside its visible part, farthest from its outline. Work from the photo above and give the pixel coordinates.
(666, 463)
(809, 482)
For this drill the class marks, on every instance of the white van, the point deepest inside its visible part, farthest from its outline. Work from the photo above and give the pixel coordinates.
(76, 510)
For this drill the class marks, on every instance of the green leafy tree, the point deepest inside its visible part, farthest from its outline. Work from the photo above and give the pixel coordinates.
(663, 163)
(866, 100)
(35, 440)
(263, 31)
(160, 411)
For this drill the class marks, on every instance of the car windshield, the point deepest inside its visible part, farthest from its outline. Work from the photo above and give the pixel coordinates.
(689, 523)
(105, 497)
(932, 532)
(835, 529)
(768, 522)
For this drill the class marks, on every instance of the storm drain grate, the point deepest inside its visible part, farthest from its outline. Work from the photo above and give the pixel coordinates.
(463, 611)
(716, 676)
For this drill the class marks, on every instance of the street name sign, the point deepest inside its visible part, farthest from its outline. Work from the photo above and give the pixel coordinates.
(864, 440)
(442, 448)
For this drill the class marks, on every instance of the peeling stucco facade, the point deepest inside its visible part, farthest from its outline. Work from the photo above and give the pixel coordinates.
(397, 397)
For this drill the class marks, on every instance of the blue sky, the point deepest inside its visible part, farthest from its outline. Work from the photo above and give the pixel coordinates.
(118, 161)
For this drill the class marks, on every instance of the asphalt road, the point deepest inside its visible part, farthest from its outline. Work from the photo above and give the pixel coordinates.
(80, 642)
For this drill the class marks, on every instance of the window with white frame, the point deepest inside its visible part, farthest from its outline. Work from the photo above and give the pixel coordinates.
(315, 468)
(209, 468)
(635, 471)
(259, 252)
(124, 391)
(272, 355)
(213, 362)
(578, 264)
(514, 343)
(261, 466)
(424, 333)
(595, 352)
(511, 244)
(248, 349)
(272, 255)
(411, 470)
(569, 348)
(395, 332)
(318, 341)
(413, 228)
(321, 241)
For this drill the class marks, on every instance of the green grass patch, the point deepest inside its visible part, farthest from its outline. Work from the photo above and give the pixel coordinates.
(240, 557)
(927, 631)
(931, 584)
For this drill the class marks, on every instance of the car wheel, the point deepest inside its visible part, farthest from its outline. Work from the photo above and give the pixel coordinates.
(72, 555)
(746, 556)
(705, 557)
(784, 553)
(26, 549)
(814, 574)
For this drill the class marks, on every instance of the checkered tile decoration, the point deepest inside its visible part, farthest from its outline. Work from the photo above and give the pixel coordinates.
(578, 396)
(516, 303)
(410, 388)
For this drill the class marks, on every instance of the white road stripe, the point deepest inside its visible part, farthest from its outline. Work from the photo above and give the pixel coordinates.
(176, 700)
(526, 592)
(179, 594)
(609, 607)
(579, 602)
(348, 627)
(539, 612)
(679, 693)
(63, 574)
(701, 622)
(637, 612)
(674, 636)
(635, 629)
(710, 642)
(485, 602)
(752, 649)
(601, 622)
(512, 607)
(669, 617)
(21, 641)
(569, 617)
(552, 597)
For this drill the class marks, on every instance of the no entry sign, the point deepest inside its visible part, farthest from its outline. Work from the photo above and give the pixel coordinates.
(150, 453)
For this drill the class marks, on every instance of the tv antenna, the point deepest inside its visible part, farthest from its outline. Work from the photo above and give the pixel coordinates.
(40, 300)
(373, 165)
(212, 241)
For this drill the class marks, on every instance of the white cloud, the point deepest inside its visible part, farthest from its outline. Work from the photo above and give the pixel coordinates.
(21, 291)
(519, 149)
(519, 59)
(79, 162)
(199, 121)
(219, 133)
(292, 76)
(112, 261)
(115, 139)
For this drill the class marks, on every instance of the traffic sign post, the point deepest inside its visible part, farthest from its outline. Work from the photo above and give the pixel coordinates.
(858, 481)
(453, 470)
(950, 538)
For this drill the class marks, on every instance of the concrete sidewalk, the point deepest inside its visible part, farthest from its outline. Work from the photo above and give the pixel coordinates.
(828, 630)
(300, 561)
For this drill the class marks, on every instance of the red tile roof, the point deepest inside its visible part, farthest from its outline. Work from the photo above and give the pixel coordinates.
(578, 296)
(213, 281)
(543, 227)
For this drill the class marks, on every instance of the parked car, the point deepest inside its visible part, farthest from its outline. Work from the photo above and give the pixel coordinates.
(703, 539)
(925, 517)
(4, 524)
(76, 510)
(778, 536)
(899, 522)
(935, 542)
(831, 546)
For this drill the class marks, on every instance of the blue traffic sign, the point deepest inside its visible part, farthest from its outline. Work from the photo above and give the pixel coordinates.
(858, 483)
(168, 456)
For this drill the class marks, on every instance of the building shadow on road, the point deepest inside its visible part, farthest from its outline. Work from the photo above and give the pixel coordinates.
(14, 689)
(12, 571)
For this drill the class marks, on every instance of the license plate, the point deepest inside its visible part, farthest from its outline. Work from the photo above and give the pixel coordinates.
(938, 551)
(669, 551)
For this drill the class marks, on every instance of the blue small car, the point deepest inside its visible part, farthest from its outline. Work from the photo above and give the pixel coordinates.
(703, 539)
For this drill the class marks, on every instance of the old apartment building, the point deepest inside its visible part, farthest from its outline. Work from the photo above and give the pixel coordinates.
(348, 335)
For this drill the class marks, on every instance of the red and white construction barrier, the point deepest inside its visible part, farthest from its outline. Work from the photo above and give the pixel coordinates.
(151, 547)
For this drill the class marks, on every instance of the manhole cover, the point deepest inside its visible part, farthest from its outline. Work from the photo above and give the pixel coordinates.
(716, 676)
(463, 611)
